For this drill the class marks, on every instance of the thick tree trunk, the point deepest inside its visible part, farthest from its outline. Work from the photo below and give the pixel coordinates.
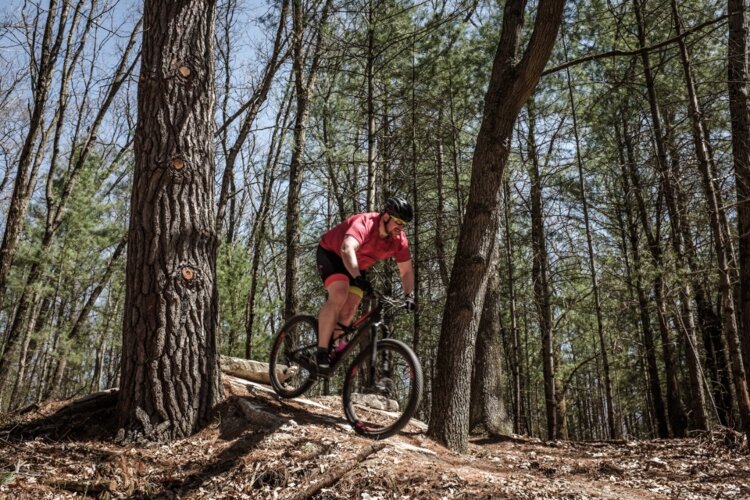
(170, 365)
(511, 83)
(487, 406)
(739, 110)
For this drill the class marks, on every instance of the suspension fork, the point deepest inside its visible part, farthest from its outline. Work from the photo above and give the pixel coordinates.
(379, 323)
(373, 351)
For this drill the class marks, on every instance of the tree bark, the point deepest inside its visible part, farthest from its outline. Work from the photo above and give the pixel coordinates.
(511, 83)
(372, 169)
(487, 405)
(304, 86)
(440, 215)
(170, 365)
(539, 276)
(417, 221)
(520, 423)
(739, 111)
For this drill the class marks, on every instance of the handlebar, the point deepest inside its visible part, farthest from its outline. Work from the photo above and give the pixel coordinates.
(392, 302)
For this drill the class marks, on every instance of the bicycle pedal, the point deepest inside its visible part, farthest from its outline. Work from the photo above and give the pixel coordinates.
(324, 372)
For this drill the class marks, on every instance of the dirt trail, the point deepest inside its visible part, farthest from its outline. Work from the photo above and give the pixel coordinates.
(262, 447)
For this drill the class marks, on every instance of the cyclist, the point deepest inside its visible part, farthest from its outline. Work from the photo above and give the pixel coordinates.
(347, 251)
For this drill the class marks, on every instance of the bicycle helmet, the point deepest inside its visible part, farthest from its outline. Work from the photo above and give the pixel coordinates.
(399, 207)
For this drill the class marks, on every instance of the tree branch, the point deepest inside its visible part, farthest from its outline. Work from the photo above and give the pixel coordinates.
(618, 52)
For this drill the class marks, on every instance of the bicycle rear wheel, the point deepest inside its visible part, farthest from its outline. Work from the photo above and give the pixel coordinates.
(379, 401)
(293, 357)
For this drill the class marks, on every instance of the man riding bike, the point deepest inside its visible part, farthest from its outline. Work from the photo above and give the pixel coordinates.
(347, 251)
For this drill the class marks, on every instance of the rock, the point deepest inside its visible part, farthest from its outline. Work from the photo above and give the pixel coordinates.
(255, 371)
(375, 402)
(257, 416)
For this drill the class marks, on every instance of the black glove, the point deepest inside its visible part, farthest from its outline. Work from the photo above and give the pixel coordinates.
(362, 283)
(409, 304)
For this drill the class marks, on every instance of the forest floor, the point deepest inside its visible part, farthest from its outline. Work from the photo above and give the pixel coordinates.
(262, 447)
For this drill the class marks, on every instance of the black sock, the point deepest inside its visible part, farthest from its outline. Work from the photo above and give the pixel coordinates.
(322, 355)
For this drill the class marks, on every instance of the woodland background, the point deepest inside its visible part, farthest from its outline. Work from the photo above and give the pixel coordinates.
(614, 302)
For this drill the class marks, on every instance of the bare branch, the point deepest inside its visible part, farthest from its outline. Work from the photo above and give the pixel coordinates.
(635, 52)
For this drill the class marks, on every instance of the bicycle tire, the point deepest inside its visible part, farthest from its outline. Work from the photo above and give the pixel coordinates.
(376, 417)
(294, 349)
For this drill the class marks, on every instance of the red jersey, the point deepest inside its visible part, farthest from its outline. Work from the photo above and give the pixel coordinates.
(372, 248)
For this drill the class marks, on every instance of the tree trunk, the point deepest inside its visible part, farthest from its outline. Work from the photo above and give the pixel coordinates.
(26, 171)
(613, 428)
(511, 83)
(739, 111)
(487, 406)
(520, 423)
(677, 417)
(304, 85)
(170, 365)
(258, 235)
(416, 222)
(441, 215)
(455, 153)
(369, 75)
(253, 107)
(539, 276)
(629, 171)
(23, 358)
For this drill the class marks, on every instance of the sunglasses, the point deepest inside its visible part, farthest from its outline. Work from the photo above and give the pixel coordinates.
(399, 222)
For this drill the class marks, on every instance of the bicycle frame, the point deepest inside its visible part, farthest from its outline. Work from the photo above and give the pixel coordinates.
(369, 322)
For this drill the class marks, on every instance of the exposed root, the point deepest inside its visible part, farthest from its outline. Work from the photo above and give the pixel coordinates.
(335, 474)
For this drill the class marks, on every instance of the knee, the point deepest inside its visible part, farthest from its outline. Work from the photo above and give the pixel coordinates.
(336, 301)
(348, 310)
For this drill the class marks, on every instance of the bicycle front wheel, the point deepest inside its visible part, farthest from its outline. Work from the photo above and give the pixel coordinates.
(381, 398)
(293, 357)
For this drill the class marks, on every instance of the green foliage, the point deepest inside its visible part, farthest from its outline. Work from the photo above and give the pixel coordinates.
(233, 282)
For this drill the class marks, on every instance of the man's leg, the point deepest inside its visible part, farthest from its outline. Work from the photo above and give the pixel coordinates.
(349, 309)
(338, 295)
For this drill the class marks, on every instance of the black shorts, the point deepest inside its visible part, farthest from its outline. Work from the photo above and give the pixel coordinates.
(331, 268)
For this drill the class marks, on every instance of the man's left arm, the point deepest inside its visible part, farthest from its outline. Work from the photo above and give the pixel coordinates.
(406, 270)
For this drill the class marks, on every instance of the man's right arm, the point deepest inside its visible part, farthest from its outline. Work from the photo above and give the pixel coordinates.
(349, 255)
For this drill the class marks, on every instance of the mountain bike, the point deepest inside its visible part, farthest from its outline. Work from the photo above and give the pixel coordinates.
(382, 386)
